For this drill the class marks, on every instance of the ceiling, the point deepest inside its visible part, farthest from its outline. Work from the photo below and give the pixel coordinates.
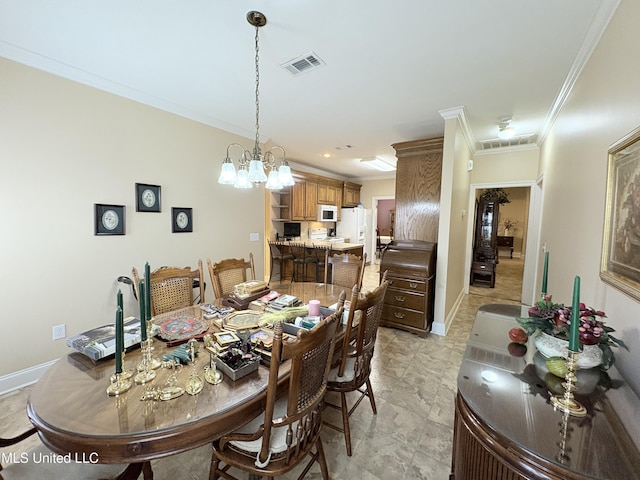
(392, 72)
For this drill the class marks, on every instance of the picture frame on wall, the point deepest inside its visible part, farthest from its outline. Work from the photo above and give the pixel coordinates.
(181, 220)
(147, 197)
(109, 219)
(620, 262)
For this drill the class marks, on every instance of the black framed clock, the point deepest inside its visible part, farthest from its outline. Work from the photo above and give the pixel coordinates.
(109, 219)
(147, 197)
(181, 219)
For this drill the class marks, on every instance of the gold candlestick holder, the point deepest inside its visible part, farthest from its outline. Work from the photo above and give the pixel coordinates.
(125, 373)
(195, 383)
(118, 385)
(211, 374)
(153, 362)
(145, 372)
(566, 403)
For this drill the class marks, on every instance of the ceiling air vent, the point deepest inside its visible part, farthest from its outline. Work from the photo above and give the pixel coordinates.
(303, 63)
(520, 140)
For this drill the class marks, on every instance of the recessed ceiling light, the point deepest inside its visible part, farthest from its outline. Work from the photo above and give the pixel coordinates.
(326, 155)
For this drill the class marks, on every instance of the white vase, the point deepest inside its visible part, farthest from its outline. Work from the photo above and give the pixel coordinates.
(550, 346)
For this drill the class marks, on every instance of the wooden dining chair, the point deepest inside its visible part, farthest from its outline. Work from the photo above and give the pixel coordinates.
(288, 430)
(172, 287)
(345, 270)
(30, 465)
(228, 273)
(351, 372)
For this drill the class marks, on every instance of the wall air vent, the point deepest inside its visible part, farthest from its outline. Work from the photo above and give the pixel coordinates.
(517, 141)
(303, 63)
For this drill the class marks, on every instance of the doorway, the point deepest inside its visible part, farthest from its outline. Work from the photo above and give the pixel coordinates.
(523, 214)
(383, 219)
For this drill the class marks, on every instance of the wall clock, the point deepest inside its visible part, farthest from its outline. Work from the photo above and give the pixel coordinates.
(181, 220)
(147, 197)
(109, 219)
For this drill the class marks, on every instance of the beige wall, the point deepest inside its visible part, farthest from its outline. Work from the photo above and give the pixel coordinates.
(506, 166)
(602, 108)
(451, 277)
(64, 147)
(376, 188)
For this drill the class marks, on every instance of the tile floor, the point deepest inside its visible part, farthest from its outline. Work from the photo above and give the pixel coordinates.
(414, 381)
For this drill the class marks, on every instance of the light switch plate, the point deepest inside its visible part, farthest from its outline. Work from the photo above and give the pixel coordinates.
(254, 237)
(59, 331)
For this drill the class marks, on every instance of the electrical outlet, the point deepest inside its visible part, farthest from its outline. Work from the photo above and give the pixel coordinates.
(59, 331)
(254, 237)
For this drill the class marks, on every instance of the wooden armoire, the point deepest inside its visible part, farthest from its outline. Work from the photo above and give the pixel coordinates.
(410, 259)
(418, 179)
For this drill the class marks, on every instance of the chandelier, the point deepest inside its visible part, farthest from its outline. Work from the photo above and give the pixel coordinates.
(252, 165)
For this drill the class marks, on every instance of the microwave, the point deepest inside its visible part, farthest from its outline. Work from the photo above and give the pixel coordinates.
(327, 213)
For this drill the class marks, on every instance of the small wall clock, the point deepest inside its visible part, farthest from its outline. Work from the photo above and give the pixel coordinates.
(109, 219)
(147, 197)
(181, 220)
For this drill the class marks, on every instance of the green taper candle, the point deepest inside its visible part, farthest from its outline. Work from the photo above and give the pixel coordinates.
(119, 338)
(147, 290)
(574, 341)
(545, 272)
(143, 316)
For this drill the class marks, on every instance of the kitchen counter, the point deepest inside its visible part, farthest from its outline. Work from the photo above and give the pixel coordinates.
(342, 247)
(315, 272)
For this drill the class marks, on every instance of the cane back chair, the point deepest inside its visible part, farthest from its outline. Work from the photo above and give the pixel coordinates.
(228, 273)
(172, 287)
(351, 372)
(287, 431)
(346, 270)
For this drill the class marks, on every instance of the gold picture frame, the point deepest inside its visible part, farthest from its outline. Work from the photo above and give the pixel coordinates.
(620, 261)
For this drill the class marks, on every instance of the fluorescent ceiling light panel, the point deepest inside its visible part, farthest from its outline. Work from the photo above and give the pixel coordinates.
(378, 164)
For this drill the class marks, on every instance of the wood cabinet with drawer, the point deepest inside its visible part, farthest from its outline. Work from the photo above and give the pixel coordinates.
(408, 303)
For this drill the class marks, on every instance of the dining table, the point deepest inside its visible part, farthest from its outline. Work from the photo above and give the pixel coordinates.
(70, 407)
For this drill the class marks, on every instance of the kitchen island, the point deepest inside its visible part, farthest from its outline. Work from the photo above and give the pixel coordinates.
(316, 248)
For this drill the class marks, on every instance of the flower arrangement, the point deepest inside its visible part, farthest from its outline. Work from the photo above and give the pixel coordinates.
(510, 224)
(555, 319)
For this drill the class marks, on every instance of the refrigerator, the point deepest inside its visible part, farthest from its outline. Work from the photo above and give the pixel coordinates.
(355, 224)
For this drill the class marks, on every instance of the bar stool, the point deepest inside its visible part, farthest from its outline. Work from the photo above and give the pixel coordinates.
(301, 258)
(277, 256)
(322, 253)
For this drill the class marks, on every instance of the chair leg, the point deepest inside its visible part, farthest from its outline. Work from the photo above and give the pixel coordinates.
(213, 469)
(345, 422)
(371, 399)
(322, 461)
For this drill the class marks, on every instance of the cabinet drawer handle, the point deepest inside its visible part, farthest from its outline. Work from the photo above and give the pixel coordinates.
(398, 315)
(399, 298)
(413, 285)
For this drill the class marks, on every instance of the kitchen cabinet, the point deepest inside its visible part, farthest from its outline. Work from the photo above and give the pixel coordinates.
(328, 194)
(350, 194)
(304, 201)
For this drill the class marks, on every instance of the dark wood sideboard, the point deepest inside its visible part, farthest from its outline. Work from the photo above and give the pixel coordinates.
(506, 242)
(506, 428)
(411, 271)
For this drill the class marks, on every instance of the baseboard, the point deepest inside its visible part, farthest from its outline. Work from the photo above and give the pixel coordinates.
(22, 378)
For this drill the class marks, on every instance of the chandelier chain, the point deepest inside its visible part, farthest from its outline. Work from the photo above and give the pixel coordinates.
(256, 149)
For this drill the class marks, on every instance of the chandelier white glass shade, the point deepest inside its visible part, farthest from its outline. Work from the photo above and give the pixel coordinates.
(252, 165)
